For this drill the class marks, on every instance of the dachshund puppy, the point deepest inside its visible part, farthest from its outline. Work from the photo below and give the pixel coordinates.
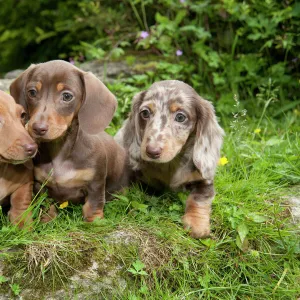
(69, 110)
(16, 169)
(174, 141)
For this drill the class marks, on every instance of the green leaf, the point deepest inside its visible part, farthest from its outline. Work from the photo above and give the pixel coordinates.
(161, 19)
(254, 36)
(144, 273)
(15, 289)
(117, 52)
(242, 245)
(133, 271)
(180, 16)
(175, 207)
(138, 265)
(242, 230)
(200, 32)
(144, 289)
(121, 197)
(139, 206)
(209, 243)
(3, 279)
(257, 218)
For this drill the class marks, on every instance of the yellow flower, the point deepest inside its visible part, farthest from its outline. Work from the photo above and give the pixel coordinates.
(257, 130)
(223, 161)
(64, 205)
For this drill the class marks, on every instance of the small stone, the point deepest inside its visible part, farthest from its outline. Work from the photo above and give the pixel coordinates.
(294, 203)
(13, 74)
(4, 84)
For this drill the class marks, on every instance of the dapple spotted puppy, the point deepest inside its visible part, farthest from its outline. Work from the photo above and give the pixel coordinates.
(174, 140)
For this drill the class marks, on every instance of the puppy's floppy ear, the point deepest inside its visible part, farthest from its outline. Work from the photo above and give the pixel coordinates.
(209, 138)
(98, 107)
(130, 132)
(130, 135)
(17, 87)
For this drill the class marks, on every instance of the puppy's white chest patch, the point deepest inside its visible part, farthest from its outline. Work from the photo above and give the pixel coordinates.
(64, 176)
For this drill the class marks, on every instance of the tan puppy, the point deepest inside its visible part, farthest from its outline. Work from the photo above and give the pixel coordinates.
(16, 169)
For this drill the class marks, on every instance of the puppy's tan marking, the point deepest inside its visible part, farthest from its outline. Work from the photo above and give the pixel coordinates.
(60, 86)
(174, 107)
(70, 179)
(197, 217)
(75, 178)
(38, 86)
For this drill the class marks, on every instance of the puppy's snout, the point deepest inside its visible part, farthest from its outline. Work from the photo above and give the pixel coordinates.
(153, 152)
(30, 149)
(40, 128)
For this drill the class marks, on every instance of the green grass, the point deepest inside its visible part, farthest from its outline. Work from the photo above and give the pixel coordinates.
(142, 251)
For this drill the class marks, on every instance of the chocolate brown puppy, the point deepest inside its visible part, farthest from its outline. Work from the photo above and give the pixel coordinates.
(69, 110)
(174, 141)
(16, 169)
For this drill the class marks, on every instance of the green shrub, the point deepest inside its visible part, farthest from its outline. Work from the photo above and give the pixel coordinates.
(221, 48)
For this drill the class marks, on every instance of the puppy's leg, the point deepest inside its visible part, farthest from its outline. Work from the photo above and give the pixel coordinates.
(197, 211)
(94, 202)
(20, 201)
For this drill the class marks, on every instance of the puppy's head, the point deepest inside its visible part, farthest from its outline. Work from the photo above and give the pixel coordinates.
(167, 115)
(16, 146)
(56, 92)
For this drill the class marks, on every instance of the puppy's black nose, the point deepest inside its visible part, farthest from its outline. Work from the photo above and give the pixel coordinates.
(153, 152)
(30, 149)
(40, 128)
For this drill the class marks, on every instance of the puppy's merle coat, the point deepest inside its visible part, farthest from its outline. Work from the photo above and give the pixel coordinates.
(174, 140)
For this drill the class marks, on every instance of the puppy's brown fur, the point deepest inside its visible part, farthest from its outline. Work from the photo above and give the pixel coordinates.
(174, 140)
(16, 149)
(69, 110)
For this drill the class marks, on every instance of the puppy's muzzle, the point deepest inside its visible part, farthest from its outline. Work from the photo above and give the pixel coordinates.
(153, 152)
(39, 128)
(30, 149)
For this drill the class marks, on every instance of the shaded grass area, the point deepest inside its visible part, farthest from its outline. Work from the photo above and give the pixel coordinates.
(142, 251)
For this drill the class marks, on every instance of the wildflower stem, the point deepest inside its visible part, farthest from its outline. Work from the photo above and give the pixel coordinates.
(264, 111)
(144, 16)
(136, 14)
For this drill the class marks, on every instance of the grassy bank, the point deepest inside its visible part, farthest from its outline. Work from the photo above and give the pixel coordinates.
(140, 249)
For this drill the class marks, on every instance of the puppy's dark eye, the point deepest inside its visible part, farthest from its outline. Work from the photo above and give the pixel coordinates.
(32, 93)
(145, 113)
(180, 117)
(67, 97)
(23, 115)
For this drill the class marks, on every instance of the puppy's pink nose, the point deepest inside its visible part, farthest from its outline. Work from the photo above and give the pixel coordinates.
(40, 128)
(30, 149)
(153, 152)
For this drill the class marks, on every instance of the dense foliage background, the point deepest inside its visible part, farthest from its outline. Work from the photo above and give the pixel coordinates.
(222, 48)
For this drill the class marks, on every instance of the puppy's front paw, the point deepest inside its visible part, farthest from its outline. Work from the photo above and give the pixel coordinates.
(22, 219)
(200, 228)
(89, 214)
